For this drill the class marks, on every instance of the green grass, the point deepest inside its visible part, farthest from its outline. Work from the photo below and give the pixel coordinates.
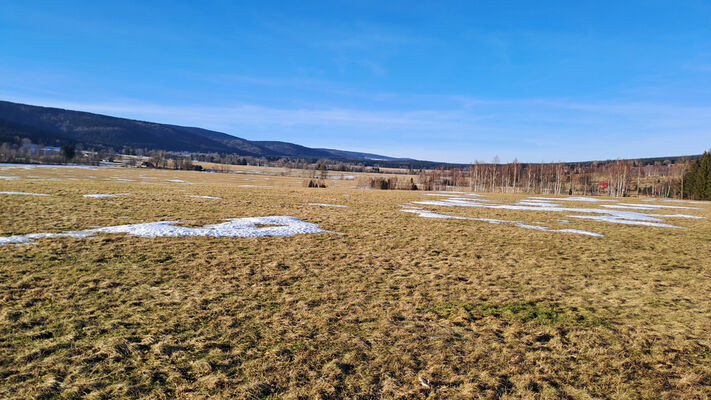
(540, 313)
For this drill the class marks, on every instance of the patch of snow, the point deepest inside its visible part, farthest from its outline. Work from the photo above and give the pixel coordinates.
(681, 216)
(646, 206)
(99, 196)
(25, 193)
(580, 232)
(327, 205)
(617, 220)
(538, 203)
(580, 198)
(431, 214)
(254, 186)
(234, 227)
(178, 181)
(9, 178)
(31, 166)
(203, 197)
(544, 204)
(686, 201)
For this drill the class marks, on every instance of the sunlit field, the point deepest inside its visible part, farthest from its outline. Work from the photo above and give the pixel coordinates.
(359, 294)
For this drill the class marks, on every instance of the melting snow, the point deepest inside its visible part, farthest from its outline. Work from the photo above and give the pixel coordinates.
(612, 213)
(646, 206)
(685, 201)
(615, 216)
(203, 197)
(25, 194)
(31, 166)
(234, 227)
(682, 216)
(617, 220)
(99, 196)
(587, 199)
(327, 205)
(9, 178)
(430, 214)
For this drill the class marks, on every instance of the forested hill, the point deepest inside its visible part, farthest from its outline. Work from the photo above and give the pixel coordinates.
(56, 127)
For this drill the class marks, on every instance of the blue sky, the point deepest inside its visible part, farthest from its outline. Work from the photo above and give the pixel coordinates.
(445, 81)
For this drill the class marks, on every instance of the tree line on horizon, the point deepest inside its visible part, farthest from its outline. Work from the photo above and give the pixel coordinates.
(681, 177)
(617, 178)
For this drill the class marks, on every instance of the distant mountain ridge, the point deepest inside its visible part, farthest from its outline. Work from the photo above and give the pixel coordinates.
(55, 126)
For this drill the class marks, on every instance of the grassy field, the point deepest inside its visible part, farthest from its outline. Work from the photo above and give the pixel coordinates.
(396, 306)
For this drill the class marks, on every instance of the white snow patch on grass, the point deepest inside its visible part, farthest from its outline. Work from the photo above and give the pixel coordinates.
(31, 166)
(646, 206)
(25, 193)
(327, 205)
(617, 214)
(9, 178)
(431, 214)
(538, 203)
(580, 232)
(100, 196)
(686, 201)
(235, 227)
(681, 216)
(581, 199)
(617, 220)
(544, 204)
(203, 197)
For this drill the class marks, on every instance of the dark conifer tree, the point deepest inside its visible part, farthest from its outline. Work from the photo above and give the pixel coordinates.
(697, 181)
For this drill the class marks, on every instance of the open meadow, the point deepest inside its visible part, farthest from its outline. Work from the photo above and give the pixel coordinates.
(358, 294)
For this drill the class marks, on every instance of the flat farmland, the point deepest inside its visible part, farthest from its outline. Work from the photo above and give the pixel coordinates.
(126, 283)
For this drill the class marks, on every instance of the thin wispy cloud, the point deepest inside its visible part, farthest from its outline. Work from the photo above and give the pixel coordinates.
(476, 127)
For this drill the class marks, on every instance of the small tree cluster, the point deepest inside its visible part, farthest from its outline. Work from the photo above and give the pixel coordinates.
(316, 183)
(697, 181)
(391, 183)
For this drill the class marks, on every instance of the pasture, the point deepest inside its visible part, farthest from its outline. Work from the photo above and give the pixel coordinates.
(358, 294)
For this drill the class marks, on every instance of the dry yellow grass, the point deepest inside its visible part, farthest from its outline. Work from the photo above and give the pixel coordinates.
(473, 309)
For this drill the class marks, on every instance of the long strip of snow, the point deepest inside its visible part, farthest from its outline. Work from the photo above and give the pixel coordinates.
(25, 193)
(100, 196)
(431, 214)
(234, 227)
(327, 205)
(203, 197)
